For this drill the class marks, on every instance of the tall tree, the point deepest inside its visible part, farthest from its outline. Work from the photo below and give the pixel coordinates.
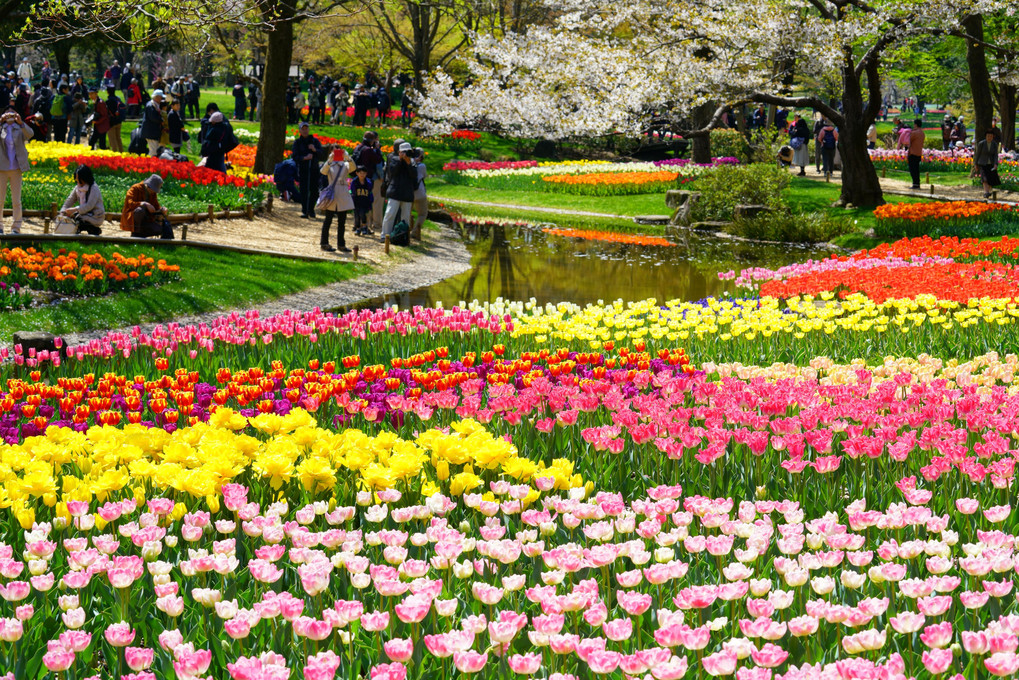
(628, 60)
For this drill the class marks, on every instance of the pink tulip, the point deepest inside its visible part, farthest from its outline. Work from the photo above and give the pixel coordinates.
(524, 664)
(1002, 664)
(58, 660)
(375, 621)
(322, 666)
(720, 663)
(937, 661)
(398, 649)
(139, 658)
(469, 661)
(603, 662)
(389, 671)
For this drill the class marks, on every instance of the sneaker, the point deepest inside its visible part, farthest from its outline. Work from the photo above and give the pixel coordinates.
(344, 249)
(328, 248)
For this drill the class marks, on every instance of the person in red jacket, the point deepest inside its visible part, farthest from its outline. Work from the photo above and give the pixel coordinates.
(134, 98)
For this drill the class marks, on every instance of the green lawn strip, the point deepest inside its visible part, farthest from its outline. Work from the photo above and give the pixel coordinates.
(210, 280)
(636, 204)
(556, 219)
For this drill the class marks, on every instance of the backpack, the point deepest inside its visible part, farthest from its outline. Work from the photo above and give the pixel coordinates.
(400, 235)
(57, 107)
(828, 141)
(119, 114)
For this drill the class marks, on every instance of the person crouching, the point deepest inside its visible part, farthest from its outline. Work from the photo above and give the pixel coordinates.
(143, 216)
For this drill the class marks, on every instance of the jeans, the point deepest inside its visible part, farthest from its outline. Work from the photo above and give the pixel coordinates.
(827, 160)
(914, 169)
(392, 207)
(360, 221)
(12, 177)
(75, 132)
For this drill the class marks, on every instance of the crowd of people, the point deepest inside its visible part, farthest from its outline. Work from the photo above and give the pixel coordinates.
(383, 193)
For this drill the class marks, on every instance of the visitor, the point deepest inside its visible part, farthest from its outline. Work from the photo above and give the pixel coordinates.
(253, 102)
(314, 101)
(191, 97)
(118, 114)
(818, 126)
(25, 71)
(904, 133)
(134, 98)
(78, 87)
(420, 194)
(799, 140)
(76, 119)
(13, 135)
(361, 192)
(760, 118)
(218, 140)
(995, 130)
(305, 152)
(60, 106)
(959, 133)
(175, 127)
(827, 141)
(341, 102)
(361, 102)
(369, 154)
(384, 104)
(946, 132)
(240, 100)
(143, 216)
(985, 158)
(300, 101)
(405, 104)
(126, 76)
(170, 72)
(152, 123)
(115, 71)
(84, 205)
(100, 120)
(915, 153)
(872, 136)
(402, 178)
(335, 200)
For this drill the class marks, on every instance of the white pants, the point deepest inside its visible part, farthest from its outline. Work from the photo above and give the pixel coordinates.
(153, 146)
(12, 177)
(394, 206)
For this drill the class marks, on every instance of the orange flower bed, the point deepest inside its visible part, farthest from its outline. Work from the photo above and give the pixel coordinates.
(243, 155)
(597, 178)
(946, 246)
(945, 210)
(69, 272)
(610, 236)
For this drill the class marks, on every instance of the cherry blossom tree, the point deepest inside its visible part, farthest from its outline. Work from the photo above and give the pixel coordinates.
(603, 66)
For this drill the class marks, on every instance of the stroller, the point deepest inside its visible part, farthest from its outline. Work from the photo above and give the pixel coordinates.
(285, 175)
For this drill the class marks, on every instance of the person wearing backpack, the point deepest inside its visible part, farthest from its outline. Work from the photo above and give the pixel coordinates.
(403, 179)
(827, 140)
(59, 108)
(76, 119)
(118, 114)
(217, 141)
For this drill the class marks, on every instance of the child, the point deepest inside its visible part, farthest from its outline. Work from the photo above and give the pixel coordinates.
(361, 190)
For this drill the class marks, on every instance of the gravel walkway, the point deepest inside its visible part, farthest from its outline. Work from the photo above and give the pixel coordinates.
(444, 256)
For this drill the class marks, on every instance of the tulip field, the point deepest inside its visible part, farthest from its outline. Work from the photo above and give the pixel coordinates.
(809, 479)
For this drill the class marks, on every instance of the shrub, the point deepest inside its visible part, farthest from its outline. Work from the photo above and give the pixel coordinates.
(815, 227)
(729, 143)
(730, 185)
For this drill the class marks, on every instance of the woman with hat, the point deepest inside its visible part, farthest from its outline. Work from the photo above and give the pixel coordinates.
(143, 216)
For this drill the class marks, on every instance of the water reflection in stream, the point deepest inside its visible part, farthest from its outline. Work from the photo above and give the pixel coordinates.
(518, 263)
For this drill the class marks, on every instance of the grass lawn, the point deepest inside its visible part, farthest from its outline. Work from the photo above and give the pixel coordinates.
(637, 204)
(210, 280)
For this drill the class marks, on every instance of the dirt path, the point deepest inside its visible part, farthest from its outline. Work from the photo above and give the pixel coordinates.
(956, 193)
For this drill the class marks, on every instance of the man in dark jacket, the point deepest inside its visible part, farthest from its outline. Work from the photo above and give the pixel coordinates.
(305, 154)
(403, 179)
(152, 122)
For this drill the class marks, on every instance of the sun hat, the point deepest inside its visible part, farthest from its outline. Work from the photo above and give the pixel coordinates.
(405, 147)
(154, 182)
(157, 93)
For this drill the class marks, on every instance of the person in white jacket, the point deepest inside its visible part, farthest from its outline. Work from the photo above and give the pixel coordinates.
(25, 71)
(335, 200)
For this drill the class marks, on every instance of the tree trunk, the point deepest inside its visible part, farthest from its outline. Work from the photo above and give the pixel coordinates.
(860, 183)
(701, 148)
(273, 130)
(62, 55)
(1006, 107)
(979, 77)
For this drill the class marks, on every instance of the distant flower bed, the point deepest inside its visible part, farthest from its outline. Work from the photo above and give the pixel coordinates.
(611, 237)
(614, 183)
(932, 160)
(950, 218)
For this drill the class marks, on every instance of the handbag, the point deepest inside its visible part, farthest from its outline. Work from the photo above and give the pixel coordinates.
(329, 193)
(796, 142)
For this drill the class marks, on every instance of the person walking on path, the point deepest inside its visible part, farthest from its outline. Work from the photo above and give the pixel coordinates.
(799, 140)
(152, 123)
(25, 71)
(142, 215)
(402, 178)
(420, 194)
(915, 151)
(118, 114)
(818, 125)
(985, 157)
(240, 101)
(336, 201)
(84, 206)
(59, 109)
(305, 153)
(13, 163)
(827, 141)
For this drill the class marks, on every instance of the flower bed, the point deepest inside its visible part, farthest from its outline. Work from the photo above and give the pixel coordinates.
(951, 218)
(610, 236)
(73, 273)
(614, 183)
(933, 160)
(552, 491)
